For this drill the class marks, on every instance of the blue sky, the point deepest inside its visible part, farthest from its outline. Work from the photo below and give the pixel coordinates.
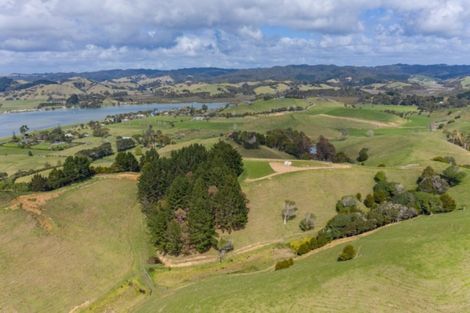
(88, 35)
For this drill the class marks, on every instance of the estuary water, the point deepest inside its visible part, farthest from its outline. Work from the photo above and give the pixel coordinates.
(11, 122)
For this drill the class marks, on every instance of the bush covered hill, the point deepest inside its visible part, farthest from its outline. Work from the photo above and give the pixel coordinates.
(309, 73)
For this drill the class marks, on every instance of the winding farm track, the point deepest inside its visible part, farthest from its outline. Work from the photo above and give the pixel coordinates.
(279, 168)
(359, 120)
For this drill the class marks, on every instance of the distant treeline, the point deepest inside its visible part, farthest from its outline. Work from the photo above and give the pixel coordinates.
(304, 73)
(427, 103)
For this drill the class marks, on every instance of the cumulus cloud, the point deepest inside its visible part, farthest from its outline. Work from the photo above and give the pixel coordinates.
(38, 35)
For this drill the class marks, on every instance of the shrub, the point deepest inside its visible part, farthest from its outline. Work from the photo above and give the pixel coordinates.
(348, 254)
(345, 225)
(446, 159)
(342, 157)
(103, 170)
(433, 184)
(39, 183)
(308, 222)
(138, 151)
(389, 212)
(369, 201)
(283, 264)
(359, 196)
(323, 238)
(384, 191)
(301, 246)
(405, 198)
(380, 177)
(427, 173)
(347, 204)
(427, 203)
(453, 175)
(448, 203)
(363, 155)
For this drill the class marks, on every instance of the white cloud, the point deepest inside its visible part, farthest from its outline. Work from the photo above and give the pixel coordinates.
(90, 34)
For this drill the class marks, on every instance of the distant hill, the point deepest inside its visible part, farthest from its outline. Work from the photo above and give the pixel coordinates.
(307, 73)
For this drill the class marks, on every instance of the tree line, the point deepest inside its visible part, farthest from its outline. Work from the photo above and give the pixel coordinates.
(389, 202)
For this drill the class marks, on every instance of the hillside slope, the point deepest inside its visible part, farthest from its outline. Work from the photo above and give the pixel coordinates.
(96, 242)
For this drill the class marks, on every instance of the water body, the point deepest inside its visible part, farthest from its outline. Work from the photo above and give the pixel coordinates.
(11, 122)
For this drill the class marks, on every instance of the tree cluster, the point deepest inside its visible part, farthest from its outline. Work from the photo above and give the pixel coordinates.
(249, 140)
(291, 141)
(189, 195)
(390, 202)
(74, 169)
(125, 162)
(96, 153)
(123, 144)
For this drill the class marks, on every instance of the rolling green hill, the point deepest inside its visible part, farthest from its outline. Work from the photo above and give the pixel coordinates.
(97, 243)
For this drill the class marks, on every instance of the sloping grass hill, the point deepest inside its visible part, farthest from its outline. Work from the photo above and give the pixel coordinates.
(419, 265)
(97, 242)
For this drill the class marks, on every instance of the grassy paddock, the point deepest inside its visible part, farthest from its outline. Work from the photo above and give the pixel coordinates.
(415, 266)
(98, 240)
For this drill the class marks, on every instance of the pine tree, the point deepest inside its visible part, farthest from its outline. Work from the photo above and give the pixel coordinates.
(200, 218)
(158, 220)
(173, 242)
(223, 153)
(154, 181)
(231, 212)
(149, 156)
(179, 193)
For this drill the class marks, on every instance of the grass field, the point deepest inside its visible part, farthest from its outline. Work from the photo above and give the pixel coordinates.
(395, 150)
(15, 105)
(315, 191)
(415, 266)
(255, 169)
(98, 241)
(266, 105)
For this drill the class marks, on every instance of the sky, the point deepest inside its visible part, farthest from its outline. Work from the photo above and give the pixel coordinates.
(89, 35)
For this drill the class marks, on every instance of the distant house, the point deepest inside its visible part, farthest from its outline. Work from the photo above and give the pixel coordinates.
(199, 118)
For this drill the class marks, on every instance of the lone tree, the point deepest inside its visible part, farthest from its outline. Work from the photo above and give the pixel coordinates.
(289, 210)
(363, 155)
(24, 129)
